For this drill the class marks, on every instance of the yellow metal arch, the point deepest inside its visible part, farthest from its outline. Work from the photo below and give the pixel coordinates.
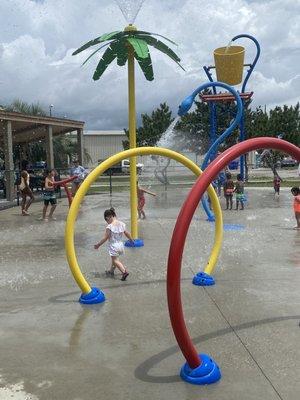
(73, 212)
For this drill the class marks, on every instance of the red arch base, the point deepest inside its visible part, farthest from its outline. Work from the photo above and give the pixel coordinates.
(181, 228)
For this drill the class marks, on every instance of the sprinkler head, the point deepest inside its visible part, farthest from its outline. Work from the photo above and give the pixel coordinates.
(130, 27)
(185, 105)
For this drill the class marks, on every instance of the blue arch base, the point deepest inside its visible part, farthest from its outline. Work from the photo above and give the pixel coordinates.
(203, 279)
(208, 372)
(93, 297)
(135, 243)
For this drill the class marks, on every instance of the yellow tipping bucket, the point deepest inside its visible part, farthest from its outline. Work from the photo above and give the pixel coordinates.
(229, 63)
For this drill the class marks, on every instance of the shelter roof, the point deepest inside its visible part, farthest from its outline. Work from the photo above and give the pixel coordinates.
(30, 128)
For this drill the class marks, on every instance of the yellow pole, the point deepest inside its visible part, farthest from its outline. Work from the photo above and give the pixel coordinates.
(132, 140)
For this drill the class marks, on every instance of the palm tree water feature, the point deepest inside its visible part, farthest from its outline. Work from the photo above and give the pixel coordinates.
(127, 46)
(210, 155)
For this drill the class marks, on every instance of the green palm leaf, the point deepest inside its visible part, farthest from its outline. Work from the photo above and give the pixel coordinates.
(109, 55)
(162, 47)
(146, 67)
(122, 53)
(156, 34)
(140, 47)
(94, 52)
(103, 38)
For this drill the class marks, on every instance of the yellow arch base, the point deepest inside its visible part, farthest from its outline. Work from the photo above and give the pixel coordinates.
(73, 212)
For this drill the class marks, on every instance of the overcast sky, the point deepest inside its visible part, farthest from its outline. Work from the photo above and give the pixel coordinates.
(37, 39)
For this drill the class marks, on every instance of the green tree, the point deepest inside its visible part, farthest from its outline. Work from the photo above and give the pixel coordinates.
(192, 131)
(256, 122)
(285, 120)
(25, 108)
(194, 127)
(153, 126)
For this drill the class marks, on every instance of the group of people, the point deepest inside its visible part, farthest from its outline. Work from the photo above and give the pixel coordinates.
(49, 194)
(230, 188)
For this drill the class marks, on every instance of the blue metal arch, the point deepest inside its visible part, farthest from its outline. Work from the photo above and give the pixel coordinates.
(185, 106)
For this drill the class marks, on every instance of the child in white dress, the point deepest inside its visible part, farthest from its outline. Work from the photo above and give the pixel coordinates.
(113, 233)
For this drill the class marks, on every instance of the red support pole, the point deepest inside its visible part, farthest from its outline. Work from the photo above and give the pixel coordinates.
(63, 183)
(182, 225)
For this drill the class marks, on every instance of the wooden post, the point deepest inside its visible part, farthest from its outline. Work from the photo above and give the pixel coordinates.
(49, 147)
(9, 163)
(80, 146)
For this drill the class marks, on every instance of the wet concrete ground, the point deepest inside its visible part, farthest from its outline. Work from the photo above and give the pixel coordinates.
(53, 348)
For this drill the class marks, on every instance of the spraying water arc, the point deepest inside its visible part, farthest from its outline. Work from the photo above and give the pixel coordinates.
(130, 9)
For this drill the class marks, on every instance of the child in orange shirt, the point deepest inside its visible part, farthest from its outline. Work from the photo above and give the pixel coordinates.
(296, 193)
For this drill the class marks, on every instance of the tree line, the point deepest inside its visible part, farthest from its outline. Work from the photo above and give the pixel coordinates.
(192, 131)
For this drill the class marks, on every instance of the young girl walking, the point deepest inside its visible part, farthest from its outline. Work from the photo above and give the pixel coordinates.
(113, 233)
(25, 192)
(296, 193)
(141, 200)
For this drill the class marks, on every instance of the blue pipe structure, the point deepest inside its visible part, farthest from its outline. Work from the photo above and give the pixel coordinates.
(185, 106)
(249, 72)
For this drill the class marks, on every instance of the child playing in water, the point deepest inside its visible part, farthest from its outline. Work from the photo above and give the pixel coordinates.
(239, 190)
(113, 233)
(296, 193)
(228, 190)
(49, 195)
(276, 184)
(141, 200)
(25, 192)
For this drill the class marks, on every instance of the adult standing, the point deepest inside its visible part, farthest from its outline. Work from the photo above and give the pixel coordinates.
(25, 191)
(81, 174)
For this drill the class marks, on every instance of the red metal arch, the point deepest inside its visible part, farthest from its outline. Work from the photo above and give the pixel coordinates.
(182, 225)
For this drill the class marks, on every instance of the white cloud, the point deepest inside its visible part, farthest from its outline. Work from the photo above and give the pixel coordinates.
(37, 39)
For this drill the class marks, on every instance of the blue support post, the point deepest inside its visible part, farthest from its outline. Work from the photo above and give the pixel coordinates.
(242, 137)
